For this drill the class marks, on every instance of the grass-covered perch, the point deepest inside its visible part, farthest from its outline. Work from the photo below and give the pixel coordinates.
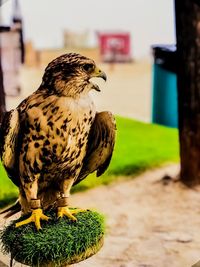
(139, 146)
(61, 242)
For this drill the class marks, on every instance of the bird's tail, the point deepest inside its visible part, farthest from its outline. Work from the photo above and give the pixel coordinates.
(16, 207)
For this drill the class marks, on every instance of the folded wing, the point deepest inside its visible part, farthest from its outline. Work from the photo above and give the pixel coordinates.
(100, 145)
(9, 137)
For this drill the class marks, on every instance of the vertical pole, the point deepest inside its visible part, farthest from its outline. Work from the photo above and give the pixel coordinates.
(188, 55)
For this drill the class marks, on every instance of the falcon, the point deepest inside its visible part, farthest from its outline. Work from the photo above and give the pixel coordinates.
(55, 138)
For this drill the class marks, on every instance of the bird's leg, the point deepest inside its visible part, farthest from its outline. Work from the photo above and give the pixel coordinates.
(35, 205)
(62, 203)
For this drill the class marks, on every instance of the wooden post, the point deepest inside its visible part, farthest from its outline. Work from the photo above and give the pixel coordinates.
(188, 54)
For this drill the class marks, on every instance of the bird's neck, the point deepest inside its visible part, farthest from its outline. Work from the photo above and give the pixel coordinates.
(75, 88)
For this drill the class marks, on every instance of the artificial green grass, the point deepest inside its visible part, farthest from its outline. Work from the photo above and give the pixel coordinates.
(60, 242)
(139, 146)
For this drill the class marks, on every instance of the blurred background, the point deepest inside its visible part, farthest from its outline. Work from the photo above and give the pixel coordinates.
(118, 36)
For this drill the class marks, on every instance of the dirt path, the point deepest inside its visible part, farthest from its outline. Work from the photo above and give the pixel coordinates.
(149, 224)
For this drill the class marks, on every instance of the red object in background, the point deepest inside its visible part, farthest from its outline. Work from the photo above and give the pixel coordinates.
(115, 47)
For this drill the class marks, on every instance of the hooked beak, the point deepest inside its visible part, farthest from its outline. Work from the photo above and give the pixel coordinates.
(99, 74)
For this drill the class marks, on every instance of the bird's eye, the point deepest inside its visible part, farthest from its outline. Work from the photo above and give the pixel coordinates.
(88, 67)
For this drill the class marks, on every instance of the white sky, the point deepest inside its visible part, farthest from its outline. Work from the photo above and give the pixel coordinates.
(149, 21)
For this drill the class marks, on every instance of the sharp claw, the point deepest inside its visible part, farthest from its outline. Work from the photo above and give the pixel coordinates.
(67, 212)
(59, 216)
(72, 217)
(35, 217)
(45, 218)
(37, 223)
(38, 227)
(77, 211)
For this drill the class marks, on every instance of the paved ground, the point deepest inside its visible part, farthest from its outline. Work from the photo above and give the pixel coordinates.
(127, 91)
(148, 224)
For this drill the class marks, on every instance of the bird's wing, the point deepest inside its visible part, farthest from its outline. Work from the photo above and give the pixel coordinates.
(100, 145)
(9, 134)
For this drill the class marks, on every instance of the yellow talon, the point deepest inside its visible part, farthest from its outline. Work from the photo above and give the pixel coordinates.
(69, 213)
(35, 217)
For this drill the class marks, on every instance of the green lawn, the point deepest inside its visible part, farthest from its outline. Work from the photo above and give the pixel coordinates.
(8, 191)
(139, 146)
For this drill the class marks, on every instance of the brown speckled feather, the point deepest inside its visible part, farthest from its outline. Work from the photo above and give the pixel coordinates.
(100, 145)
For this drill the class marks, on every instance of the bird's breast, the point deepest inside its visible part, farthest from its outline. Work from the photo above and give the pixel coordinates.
(57, 135)
(79, 116)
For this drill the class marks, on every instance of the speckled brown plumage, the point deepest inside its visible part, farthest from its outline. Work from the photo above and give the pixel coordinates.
(56, 136)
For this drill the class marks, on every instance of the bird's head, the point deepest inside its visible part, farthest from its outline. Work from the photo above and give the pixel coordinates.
(70, 74)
